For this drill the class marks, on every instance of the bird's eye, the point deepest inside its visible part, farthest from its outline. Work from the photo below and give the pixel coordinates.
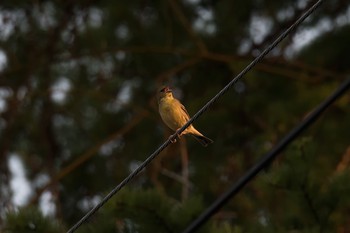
(161, 91)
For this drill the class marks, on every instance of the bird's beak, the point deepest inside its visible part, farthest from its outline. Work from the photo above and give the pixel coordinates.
(167, 89)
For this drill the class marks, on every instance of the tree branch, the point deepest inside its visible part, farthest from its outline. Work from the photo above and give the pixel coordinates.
(183, 20)
(89, 154)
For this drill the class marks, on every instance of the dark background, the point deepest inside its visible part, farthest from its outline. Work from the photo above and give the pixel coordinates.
(78, 84)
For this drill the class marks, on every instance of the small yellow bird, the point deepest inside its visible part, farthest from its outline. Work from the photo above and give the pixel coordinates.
(175, 115)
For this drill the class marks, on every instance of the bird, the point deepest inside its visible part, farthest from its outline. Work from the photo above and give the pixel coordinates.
(175, 115)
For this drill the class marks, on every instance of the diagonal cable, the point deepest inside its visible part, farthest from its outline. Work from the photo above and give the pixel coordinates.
(197, 115)
(267, 159)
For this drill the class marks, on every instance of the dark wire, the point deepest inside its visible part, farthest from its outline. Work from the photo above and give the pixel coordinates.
(198, 114)
(267, 159)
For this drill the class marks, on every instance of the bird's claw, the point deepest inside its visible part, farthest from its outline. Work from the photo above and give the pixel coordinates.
(173, 140)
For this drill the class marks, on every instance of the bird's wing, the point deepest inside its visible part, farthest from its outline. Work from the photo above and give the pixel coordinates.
(185, 111)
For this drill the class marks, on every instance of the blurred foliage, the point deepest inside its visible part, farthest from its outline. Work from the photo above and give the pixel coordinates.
(78, 84)
(30, 220)
(145, 211)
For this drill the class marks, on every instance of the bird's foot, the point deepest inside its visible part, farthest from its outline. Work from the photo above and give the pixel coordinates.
(173, 140)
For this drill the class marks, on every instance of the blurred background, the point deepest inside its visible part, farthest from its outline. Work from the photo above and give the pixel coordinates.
(78, 113)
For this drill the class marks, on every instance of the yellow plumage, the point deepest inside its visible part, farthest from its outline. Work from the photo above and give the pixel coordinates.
(175, 115)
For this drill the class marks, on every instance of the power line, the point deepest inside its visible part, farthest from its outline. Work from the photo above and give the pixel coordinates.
(267, 159)
(197, 115)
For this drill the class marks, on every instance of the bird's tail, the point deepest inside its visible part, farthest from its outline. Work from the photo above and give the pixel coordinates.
(202, 139)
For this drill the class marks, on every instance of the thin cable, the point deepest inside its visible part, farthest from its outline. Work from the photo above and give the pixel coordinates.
(267, 159)
(252, 64)
(198, 114)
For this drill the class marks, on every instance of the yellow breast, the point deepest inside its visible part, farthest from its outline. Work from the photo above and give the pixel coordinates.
(170, 113)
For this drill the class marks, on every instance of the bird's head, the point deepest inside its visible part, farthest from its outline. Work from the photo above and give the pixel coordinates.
(165, 92)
